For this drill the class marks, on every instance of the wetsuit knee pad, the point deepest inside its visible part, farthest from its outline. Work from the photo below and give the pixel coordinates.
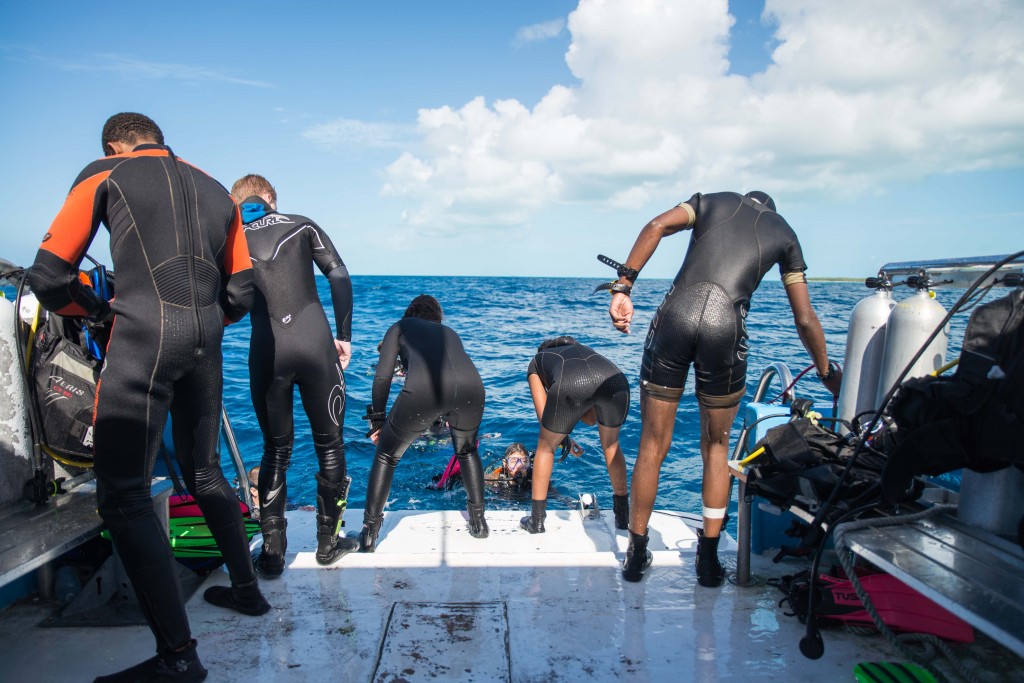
(727, 401)
(662, 393)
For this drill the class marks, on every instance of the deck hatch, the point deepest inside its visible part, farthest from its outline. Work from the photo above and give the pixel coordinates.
(449, 641)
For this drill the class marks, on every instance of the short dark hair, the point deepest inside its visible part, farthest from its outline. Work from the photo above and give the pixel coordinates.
(252, 184)
(426, 307)
(129, 128)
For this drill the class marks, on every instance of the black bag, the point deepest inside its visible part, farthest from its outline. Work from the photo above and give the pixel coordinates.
(802, 464)
(64, 378)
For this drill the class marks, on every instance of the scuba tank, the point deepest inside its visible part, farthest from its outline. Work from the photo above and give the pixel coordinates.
(910, 324)
(16, 453)
(865, 348)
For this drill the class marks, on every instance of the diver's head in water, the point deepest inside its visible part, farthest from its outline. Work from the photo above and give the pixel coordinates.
(762, 198)
(426, 307)
(516, 461)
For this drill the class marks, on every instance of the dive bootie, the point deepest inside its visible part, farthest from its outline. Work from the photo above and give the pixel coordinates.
(710, 572)
(638, 558)
(368, 536)
(620, 504)
(534, 522)
(331, 501)
(172, 667)
(275, 542)
(244, 598)
(477, 523)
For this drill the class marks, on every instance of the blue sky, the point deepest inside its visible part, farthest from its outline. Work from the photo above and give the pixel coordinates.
(523, 138)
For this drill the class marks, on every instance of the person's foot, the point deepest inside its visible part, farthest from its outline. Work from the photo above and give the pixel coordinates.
(710, 572)
(173, 667)
(271, 561)
(534, 526)
(368, 538)
(477, 524)
(244, 598)
(330, 550)
(638, 558)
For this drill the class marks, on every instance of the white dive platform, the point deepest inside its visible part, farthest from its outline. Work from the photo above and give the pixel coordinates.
(434, 604)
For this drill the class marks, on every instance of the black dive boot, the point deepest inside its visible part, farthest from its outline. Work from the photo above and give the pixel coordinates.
(368, 536)
(173, 667)
(275, 542)
(477, 523)
(243, 597)
(534, 522)
(710, 572)
(620, 504)
(638, 558)
(331, 501)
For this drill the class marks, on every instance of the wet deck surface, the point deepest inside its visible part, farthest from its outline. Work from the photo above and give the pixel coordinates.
(435, 604)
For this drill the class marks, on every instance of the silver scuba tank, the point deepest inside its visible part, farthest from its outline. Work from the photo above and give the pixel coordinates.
(911, 322)
(865, 348)
(15, 432)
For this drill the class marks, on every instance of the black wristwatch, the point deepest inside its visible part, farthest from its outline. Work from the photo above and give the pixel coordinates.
(620, 288)
(828, 375)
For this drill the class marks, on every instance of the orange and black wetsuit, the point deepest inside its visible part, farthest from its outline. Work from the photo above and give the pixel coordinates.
(182, 268)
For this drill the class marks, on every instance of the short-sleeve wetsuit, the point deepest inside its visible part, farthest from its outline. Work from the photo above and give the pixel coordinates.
(702, 320)
(578, 378)
(441, 381)
(182, 267)
(292, 345)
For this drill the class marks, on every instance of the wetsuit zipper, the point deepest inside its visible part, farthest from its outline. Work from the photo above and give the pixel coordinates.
(190, 238)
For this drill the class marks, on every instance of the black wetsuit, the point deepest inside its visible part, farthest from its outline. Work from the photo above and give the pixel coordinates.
(441, 381)
(735, 241)
(182, 267)
(579, 378)
(292, 345)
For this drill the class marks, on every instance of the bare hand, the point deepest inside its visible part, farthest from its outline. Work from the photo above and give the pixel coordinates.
(621, 312)
(375, 437)
(344, 349)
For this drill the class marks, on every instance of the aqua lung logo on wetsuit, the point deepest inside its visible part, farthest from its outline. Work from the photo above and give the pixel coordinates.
(287, 319)
(336, 399)
(60, 388)
(267, 221)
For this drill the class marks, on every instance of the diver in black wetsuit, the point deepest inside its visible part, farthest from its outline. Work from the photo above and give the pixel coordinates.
(441, 381)
(292, 345)
(183, 271)
(571, 382)
(736, 240)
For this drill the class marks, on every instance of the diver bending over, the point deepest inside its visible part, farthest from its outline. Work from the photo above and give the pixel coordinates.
(736, 239)
(292, 345)
(571, 382)
(441, 381)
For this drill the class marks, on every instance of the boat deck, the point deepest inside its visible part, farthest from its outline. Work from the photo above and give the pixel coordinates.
(435, 604)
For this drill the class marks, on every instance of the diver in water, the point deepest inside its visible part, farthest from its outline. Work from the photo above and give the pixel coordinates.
(736, 239)
(570, 383)
(514, 472)
(441, 382)
(292, 346)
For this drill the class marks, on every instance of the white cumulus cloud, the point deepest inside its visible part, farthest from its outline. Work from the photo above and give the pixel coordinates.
(857, 95)
(545, 30)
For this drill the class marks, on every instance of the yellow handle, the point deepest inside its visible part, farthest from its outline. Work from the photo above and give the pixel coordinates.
(752, 456)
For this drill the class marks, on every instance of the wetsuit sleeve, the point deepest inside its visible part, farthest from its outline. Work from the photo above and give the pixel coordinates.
(54, 274)
(385, 368)
(237, 295)
(330, 264)
(792, 257)
(532, 369)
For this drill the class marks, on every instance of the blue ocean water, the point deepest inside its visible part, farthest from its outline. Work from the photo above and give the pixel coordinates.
(501, 321)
